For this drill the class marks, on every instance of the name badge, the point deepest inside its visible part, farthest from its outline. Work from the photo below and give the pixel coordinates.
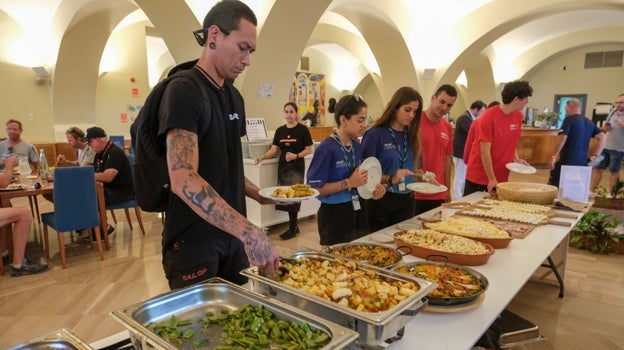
(402, 186)
(355, 200)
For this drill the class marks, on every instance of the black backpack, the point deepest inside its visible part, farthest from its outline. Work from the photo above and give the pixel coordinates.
(150, 174)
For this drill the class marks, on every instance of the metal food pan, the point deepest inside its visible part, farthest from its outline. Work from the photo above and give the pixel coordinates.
(61, 339)
(215, 295)
(375, 328)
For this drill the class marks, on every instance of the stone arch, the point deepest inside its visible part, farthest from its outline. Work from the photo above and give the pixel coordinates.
(387, 44)
(75, 75)
(486, 32)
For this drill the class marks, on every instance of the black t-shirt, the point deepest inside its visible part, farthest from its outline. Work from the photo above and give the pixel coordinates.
(292, 140)
(218, 120)
(114, 157)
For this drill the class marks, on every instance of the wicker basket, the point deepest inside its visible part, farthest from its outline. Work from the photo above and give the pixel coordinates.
(527, 192)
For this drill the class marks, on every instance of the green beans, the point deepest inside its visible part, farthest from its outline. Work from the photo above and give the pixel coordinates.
(249, 327)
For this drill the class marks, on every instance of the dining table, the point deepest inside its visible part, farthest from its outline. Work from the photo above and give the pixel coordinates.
(29, 188)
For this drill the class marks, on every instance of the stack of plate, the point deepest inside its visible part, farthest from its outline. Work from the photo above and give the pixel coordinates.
(374, 177)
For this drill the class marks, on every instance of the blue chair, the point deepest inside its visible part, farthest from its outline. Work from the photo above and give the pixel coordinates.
(75, 207)
(128, 205)
(118, 140)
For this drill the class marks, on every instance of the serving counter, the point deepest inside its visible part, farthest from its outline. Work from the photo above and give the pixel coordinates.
(265, 175)
(507, 271)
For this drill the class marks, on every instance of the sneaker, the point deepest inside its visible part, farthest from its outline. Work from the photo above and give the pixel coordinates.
(27, 268)
(296, 229)
(288, 235)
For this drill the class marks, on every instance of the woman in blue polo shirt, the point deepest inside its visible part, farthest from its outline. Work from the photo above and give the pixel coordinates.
(334, 172)
(394, 140)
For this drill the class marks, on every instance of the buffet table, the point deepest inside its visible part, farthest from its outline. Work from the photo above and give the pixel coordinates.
(507, 271)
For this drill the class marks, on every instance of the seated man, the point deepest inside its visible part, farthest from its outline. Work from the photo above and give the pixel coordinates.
(111, 168)
(22, 219)
(74, 138)
(15, 145)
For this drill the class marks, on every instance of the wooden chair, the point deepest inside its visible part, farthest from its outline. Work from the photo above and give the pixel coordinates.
(75, 207)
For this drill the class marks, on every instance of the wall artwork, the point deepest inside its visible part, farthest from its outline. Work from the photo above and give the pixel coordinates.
(308, 92)
(560, 103)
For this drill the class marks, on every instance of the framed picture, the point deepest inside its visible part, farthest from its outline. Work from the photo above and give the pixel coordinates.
(560, 103)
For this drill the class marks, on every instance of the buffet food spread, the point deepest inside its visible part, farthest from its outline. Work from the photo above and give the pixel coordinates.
(351, 295)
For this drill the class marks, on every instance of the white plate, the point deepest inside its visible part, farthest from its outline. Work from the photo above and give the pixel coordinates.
(14, 187)
(266, 193)
(381, 238)
(409, 226)
(374, 177)
(521, 168)
(426, 188)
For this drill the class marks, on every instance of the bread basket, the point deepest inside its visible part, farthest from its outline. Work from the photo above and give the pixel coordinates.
(526, 192)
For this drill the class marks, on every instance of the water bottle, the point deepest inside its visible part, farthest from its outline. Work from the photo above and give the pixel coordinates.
(43, 164)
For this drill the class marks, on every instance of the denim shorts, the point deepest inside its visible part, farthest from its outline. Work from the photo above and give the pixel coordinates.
(612, 159)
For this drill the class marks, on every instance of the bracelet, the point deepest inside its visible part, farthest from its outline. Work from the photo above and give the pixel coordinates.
(297, 154)
(348, 185)
(344, 184)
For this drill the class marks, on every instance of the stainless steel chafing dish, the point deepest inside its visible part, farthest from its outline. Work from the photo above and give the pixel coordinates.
(61, 339)
(214, 295)
(376, 329)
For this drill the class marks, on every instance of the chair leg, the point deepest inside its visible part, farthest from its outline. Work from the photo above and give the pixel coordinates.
(137, 211)
(128, 218)
(46, 242)
(61, 241)
(98, 236)
(32, 208)
(38, 217)
(113, 215)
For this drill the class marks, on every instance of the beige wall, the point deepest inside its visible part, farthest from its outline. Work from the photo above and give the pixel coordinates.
(600, 85)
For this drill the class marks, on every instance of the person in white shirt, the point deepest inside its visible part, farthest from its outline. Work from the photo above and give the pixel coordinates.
(613, 151)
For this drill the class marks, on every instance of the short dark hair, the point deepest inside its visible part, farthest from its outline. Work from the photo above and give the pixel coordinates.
(14, 121)
(478, 104)
(517, 88)
(226, 15)
(449, 89)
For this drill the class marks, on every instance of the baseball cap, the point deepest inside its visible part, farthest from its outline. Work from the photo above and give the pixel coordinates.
(94, 133)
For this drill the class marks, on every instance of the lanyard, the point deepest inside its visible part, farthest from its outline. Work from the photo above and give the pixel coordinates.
(402, 155)
(350, 164)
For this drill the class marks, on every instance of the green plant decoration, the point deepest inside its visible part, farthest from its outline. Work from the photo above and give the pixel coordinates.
(595, 232)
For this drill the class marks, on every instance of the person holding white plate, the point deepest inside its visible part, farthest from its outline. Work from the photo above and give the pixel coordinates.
(295, 141)
(394, 141)
(496, 139)
(336, 173)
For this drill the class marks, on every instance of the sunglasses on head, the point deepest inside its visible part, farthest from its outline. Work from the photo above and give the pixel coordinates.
(200, 34)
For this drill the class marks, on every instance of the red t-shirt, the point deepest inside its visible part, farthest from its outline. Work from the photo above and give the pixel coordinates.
(503, 132)
(437, 143)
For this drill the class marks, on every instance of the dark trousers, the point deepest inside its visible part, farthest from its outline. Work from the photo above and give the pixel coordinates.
(391, 209)
(471, 187)
(426, 205)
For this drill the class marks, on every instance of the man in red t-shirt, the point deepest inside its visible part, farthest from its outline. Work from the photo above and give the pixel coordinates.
(436, 136)
(496, 139)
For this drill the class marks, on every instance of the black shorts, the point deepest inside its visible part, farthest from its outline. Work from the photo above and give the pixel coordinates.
(192, 260)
